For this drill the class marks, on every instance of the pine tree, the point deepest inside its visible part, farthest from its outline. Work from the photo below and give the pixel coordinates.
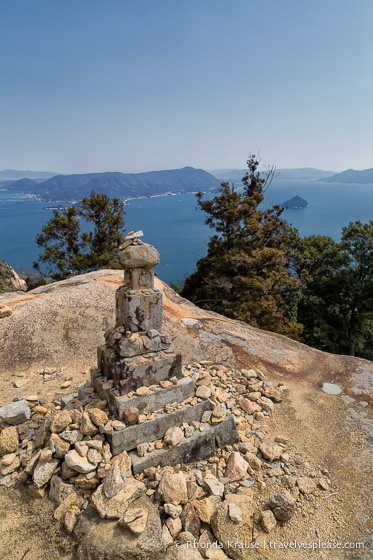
(245, 274)
(68, 251)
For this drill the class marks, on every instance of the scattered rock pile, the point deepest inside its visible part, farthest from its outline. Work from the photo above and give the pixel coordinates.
(65, 446)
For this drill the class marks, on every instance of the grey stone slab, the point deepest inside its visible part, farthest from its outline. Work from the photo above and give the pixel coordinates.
(129, 344)
(15, 413)
(130, 373)
(151, 430)
(138, 310)
(226, 432)
(155, 400)
(200, 446)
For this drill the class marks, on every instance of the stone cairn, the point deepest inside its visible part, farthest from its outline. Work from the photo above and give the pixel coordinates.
(140, 376)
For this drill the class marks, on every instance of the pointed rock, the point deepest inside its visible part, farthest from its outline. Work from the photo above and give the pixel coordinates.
(113, 482)
(115, 508)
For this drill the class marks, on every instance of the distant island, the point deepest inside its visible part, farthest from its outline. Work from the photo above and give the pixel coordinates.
(296, 202)
(126, 186)
(364, 177)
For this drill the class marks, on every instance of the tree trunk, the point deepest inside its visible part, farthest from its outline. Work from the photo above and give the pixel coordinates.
(351, 332)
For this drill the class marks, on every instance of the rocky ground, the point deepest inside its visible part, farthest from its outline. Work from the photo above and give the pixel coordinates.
(52, 335)
(262, 490)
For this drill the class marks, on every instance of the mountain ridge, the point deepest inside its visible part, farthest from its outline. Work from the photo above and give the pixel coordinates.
(72, 188)
(301, 173)
(363, 177)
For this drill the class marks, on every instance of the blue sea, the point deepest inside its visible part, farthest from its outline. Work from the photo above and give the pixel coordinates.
(176, 228)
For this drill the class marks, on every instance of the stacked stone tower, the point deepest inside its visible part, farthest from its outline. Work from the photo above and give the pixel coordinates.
(137, 353)
(162, 418)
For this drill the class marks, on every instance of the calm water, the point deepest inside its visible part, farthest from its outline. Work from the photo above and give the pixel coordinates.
(177, 229)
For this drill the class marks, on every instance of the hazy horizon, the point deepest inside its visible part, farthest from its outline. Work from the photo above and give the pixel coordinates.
(133, 87)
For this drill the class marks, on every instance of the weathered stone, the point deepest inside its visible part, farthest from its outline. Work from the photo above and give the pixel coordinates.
(204, 380)
(7, 460)
(145, 370)
(142, 391)
(274, 394)
(213, 486)
(218, 414)
(95, 444)
(82, 448)
(133, 344)
(30, 466)
(282, 505)
(172, 510)
(72, 437)
(45, 456)
(306, 485)
(203, 392)
(65, 505)
(198, 447)
(59, 490)
(166, 536)
(135, 520)
(249, 406)
(331, 389)
(113, 482)
(282, 440)
(99, 540)
(58, 447)
(226, 531)
(152, 430)
(254, 461)
(235, 513)
(9, 469)
(226, 432)
(266, 404)
(206, 508)
(174, 525)
(173, 436)
(69, 520)
(60, 421)
(86, 425)
(98, 416)
(115, 507)
(142, 449)
(15, 413)
(270, 452)
(139, 256)
(131, 416)
(236, 467)
(78, 463)
(268, 520)
(138, 312)
(155, 400)
(8, 440)
(124, 462)
(38, 409)
(44, 471)
(173, 489)
(94, 456)
(82, 481)
(190, 520)
(34, 492)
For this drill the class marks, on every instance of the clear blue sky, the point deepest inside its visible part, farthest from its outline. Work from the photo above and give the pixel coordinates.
(137, 85)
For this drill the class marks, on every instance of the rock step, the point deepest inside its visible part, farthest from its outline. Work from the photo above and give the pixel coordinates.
(154, 400)
(129, 374)
(151, 430)
(200, 446)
